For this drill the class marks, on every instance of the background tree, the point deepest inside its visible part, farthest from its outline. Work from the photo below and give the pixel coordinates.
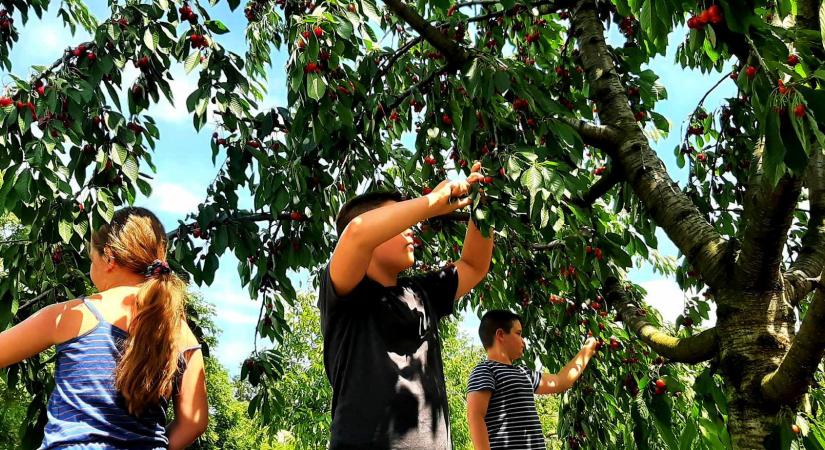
(558, 118)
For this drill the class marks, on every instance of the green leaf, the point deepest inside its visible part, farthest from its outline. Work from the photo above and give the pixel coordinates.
(660, 407)
(316, 87)
(502, 81)
(191, 61)
(119, 154)
(774, 149)
(130, 168)
(531, 179)
(822, 20)
(216, 26)
(150, 39)
(65, 229)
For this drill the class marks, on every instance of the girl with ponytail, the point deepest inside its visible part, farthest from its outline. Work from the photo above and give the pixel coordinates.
(124, 354)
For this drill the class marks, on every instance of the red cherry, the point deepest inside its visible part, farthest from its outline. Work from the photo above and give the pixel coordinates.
(426, 190)
(488, 180)
(795, 429)
(446, 119)
(295, 215)
(793, 60)
(318, 31)
(597, 252)
(352, 8)
(311, 67)
(715, 14)
(751, 71)
(660, 383)
(5, 101)
(693, 23)
(799, 110)
(501, 171)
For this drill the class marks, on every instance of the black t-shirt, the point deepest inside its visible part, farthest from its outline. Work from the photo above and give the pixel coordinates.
(382, 356)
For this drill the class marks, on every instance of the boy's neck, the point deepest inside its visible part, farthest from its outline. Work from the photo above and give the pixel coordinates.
(383, 277)
(499, 356)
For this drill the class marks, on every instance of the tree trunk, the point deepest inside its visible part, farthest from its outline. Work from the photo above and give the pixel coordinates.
(754, 334)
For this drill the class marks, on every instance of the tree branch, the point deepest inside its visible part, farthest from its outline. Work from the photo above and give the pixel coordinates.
(600, 136)
(598, 189)
(672, 210)
(767, 217)
(791, 379)
(697, 348)
(547, 7)
(456, 55)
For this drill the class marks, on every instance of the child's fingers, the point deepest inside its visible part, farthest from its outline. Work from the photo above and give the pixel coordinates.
(462, 202)
(476, 167)
(475, 177)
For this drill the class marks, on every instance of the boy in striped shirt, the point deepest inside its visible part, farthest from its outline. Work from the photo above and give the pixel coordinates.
(500, 406)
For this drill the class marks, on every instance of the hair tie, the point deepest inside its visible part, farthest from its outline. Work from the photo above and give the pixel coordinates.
(157, 267)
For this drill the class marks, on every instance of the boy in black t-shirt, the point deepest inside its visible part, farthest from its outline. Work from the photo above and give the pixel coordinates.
(500, 407)
(382, 352)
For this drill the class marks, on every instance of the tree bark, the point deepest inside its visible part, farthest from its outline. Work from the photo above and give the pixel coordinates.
(755, 331)
(791, 380)
(640, 166)
(811, 259)
(697, 348)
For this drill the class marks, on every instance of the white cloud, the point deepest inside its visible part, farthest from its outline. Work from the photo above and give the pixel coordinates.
(173, 198)
(181, 86)
(237, 317)
(232, 353)
(52, 37)
(669, 299)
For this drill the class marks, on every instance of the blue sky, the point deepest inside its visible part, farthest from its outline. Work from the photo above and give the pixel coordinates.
(183, 158)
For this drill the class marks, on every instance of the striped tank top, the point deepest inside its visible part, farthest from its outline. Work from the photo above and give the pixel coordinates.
(85, 411)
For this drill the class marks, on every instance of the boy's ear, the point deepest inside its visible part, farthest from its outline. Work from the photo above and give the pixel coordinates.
(499, 333)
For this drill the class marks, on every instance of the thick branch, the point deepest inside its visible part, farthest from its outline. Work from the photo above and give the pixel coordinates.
(456, 55)
(791, 379)
(639, 165)
(767, 214)
(697, 348)
(811, 259)
(598, 189)
(599, 136)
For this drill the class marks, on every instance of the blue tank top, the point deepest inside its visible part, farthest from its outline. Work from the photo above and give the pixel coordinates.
(85, 411)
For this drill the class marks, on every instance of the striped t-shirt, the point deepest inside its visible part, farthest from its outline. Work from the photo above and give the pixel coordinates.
(512, 420)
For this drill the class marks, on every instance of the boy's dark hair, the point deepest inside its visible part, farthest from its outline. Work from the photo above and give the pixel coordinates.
(362, 203)
(492, 321)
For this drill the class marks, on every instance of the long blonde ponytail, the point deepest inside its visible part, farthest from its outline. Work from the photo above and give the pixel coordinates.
(149, 363)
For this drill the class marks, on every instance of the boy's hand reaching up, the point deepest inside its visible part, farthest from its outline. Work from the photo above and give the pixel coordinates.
(449, 196)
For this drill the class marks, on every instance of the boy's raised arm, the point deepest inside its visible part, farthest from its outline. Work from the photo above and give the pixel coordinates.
(475, 259)
(369, 230)
(555, 383)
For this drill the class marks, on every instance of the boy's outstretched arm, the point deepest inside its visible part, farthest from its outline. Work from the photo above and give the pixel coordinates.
(369, 230)
(556, 383)
(477, 403)
(475, 259)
